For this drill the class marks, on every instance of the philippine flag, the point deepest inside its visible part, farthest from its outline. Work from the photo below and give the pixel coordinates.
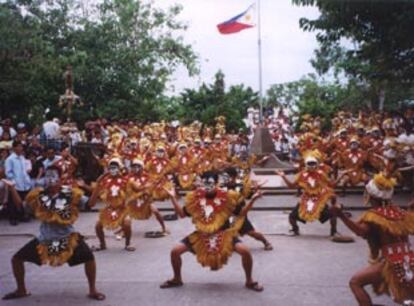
(240, 22)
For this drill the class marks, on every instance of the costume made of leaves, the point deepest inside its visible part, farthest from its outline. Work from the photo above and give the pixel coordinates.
(398, 223)
(317, 190)
(62, 210)
(138, 202)
(113, 194)
(212, 244)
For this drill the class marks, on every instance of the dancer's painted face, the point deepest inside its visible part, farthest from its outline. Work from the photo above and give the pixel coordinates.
(160, 153)
(51, 178)
(113, 169)
(354, 145)
(182, 149)
(136, 168)
(311, 165)
(209, 184)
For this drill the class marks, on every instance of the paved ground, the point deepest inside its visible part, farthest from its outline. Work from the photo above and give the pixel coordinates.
(306, 270)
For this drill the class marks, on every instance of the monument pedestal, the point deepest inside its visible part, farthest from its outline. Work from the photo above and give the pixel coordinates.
(262, 145)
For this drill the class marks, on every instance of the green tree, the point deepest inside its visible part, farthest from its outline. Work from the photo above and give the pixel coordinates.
(123, 56)
(209, 101)
(381, 57)
(318, 98)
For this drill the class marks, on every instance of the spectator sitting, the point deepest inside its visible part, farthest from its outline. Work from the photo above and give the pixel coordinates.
(6, 127)
(5, 141)
(51, 157)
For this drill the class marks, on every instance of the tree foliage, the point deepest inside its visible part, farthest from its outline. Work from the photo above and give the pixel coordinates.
(212, 100)
(312, 96)
(380, 55)
(123, 55)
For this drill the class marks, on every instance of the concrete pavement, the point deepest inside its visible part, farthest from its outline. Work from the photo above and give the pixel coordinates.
(306, 270)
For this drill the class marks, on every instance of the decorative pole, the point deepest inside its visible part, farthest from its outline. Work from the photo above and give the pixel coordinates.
(259, 47)
(69, 98)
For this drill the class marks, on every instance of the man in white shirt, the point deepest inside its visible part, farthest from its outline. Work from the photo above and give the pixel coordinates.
(16, 172)
(51, 129)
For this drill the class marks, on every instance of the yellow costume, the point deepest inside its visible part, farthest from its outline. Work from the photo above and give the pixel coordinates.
(184, 165)
(158, 170)
(212, 242)
(397, 257)
(396, 222)
(317, 191)
(138, 202)
(60, 210)
(114, 196)
(353, 161)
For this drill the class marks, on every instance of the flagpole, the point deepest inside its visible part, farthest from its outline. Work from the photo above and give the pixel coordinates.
(259, 47)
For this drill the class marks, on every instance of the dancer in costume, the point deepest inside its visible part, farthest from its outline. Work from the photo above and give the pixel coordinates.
(215, 239)
(386, 228)
(58, 242)
(243, 190)
(139, 199)
(158, 168)
(206, 160)
(353, 161)
(219, 152)
(375, 150)
(338, 144)
(183, 164)
(111, 189)
(245, 161)
(67, 165)
(196, 150)
(317, 190)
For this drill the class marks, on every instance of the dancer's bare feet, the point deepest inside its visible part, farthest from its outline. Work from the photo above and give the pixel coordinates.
(98, 248)
(268, 247)
(96, 296)
(254, 286)
(171, 283)
(129, 248)
(15, 295)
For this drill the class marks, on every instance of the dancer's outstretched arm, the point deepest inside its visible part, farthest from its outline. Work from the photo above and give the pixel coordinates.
(246, 209)
(95, 194)
(285, 179)
(359, 228)
(178, 209)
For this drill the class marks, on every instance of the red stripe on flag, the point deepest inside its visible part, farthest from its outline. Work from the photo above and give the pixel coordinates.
(233, 27)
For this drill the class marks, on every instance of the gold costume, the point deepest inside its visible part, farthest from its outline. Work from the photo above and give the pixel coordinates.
(59, 210)
(316, 193)
(212, 242)
(138, 202)
(398, 258)
(114, 196)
